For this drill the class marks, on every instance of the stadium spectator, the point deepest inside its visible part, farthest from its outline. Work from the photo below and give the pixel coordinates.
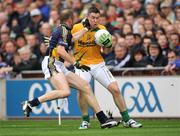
(43, 49)
(33, 44)
(126, 29)
(166, 11)
(44, 8)
(20, 41)
(137, 58)
(36, 21)
(146, 42)
(23, 16)
(46, 30)
(130, 41)
(173, 62)
(104, 21)
(121, 60)
(138, 40)
(3, 19)
(170, 29)
(175, 42)
(148, 24)
(159, 31)
(54, 18)
(2, 64)
(59, 5)
(130, 19)
(10, 50)
(155, 57)
(111, 13)
(32, 6)
(177, 14)
(5, 37)
(138, 8)
(164, 44)
(26, 62)
(126, 4)
(151, 10)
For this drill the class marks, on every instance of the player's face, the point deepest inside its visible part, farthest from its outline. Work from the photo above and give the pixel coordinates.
(93, 19)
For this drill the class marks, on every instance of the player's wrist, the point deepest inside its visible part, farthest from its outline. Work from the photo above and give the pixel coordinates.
(76, 63)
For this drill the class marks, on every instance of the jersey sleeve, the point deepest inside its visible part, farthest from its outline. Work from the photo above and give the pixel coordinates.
(58, 38)
(74, 29)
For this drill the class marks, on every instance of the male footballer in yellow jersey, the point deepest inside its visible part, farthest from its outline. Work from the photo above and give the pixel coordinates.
(87, 52)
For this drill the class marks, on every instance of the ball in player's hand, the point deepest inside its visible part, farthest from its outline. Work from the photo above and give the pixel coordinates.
(103, 38)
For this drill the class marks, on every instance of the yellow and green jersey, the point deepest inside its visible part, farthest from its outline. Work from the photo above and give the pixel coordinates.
(85, 48)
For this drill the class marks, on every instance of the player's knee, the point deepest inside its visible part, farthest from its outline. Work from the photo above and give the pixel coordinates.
(86, 86)
(114, 90)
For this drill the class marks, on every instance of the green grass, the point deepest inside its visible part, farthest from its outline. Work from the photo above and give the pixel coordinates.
(159, 127)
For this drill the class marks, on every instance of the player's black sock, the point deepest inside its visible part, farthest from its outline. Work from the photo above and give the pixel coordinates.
(101, 117)
(34, 102)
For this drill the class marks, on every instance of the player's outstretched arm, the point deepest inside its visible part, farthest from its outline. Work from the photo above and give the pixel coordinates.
(63, 54)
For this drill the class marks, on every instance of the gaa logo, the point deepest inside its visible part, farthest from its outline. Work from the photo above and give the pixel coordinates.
(38, 89)
(141, 97)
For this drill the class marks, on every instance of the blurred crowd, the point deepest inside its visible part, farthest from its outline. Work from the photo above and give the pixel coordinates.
(146, 33)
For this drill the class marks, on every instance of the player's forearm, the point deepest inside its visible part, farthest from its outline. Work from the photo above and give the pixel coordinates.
(63, 54)
(79, 34)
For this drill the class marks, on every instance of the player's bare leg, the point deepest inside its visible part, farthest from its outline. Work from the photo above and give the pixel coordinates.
(58, 80)
(83, 86)
(118, 99)
(120, 103)
(62, 88)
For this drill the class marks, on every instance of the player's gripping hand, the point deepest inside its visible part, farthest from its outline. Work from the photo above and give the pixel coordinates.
(83, 67)
(86, 23)
(106, 40)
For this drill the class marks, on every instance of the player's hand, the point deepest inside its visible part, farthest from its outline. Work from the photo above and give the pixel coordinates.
(106, 40)
(83, 67)
(86, 23)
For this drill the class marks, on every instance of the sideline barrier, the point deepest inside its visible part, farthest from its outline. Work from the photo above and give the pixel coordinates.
(151, 97)
(155, 71)
(148, 93)
(16, 91)
(2, 99)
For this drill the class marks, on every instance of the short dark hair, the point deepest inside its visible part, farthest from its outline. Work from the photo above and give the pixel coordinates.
(176, 52)
(93, 10)
(66, 14)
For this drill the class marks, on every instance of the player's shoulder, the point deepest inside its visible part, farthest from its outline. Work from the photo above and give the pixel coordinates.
(78, 26)
(101, 26)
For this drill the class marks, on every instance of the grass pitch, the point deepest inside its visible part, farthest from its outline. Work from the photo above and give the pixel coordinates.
(159, 127)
